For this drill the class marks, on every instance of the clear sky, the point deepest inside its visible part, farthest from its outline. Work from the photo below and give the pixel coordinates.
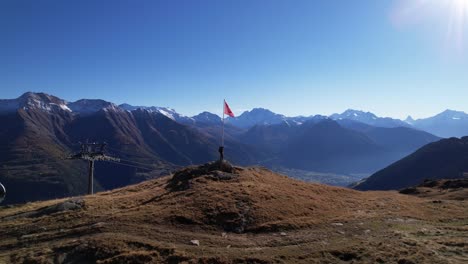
(294, 57)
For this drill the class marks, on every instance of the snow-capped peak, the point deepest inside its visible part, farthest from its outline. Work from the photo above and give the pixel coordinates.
(451, 114)
(87, 106)
(30, 100)
(369, 118)
(352, 114)
(166, 111)
(257, 116)
(207, 117)
(171, 113)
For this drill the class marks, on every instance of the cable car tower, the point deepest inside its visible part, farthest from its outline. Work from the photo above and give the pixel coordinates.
(92, 152)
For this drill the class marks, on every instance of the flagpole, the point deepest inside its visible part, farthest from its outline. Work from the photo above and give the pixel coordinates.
(222, 137)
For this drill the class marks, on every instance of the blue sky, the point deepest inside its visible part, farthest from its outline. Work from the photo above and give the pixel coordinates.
(293, 57)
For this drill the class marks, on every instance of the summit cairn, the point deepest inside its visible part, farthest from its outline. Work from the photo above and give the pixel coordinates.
(216, 170)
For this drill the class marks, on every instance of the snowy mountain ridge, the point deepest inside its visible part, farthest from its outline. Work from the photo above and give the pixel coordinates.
(445, 124)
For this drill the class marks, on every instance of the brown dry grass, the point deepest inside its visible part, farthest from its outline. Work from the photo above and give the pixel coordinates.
(265, 218)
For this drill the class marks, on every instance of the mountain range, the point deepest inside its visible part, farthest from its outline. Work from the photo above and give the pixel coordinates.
(39, 131)
(449, 123)
(369, 118)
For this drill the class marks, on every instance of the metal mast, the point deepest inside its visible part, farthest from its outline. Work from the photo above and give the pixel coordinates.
(92, 152)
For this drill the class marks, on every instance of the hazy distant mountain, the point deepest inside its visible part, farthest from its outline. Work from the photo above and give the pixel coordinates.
(207, 118)
(449, 123)
(328, 147)
(409, 120)
(270, 138)
(446, 124)
(275, 136)
(369, 118)
(399, 139)
(302, 119)
(262, 116)
(446, 158)
(257, 116)
(325, 145)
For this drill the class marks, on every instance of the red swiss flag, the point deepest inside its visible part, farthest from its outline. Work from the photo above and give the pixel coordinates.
(228, 110)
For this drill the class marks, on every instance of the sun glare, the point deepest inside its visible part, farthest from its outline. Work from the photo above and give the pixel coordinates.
(452, 14)
(458, 21)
